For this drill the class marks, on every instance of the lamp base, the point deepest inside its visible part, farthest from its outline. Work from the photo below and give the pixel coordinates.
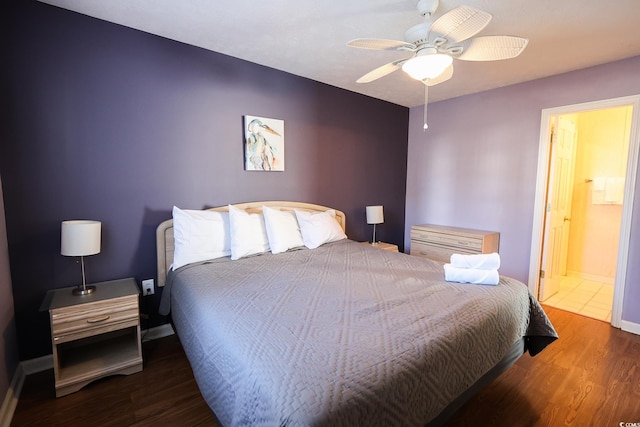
(83, 291)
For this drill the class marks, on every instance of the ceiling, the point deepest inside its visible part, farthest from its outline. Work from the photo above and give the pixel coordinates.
(307, 38)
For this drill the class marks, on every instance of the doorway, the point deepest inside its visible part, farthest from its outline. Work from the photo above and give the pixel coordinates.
(576, 195)
(584, 197)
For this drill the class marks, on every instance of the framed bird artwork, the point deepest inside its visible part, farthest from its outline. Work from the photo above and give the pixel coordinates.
(263, 144)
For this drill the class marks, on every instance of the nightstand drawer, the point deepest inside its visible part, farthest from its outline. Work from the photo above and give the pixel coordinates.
(98, 315)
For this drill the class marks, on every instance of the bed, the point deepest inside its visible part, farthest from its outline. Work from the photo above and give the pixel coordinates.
(342, 334)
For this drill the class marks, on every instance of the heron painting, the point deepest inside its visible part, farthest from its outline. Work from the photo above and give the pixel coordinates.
(263, 144)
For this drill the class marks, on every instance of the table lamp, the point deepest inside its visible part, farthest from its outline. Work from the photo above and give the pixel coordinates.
(80, 238)
(375, 215)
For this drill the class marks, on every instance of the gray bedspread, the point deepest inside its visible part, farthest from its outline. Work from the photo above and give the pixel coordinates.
(344, 334)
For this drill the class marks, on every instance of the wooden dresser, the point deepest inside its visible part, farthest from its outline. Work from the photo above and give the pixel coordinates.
(438, 242)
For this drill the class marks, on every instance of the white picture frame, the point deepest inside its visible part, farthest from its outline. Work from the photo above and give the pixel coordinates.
(263, 144)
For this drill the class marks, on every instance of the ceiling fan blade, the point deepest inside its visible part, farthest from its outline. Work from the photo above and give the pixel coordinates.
(459, 24)
(443, 77)
(381, 44)
(492, 48)
(381, 71)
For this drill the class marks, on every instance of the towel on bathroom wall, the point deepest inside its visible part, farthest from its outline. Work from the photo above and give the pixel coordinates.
(477, 261)
(597, 190)
(614, 190)
(470, 275)
(607, 191)
(599, 183)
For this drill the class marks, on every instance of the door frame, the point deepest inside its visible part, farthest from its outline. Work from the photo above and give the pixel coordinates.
(539, 209)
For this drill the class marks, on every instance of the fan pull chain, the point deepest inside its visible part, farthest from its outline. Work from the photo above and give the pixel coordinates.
(426, 101)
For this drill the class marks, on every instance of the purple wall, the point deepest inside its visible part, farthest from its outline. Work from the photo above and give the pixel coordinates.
(108, 123)
(8, 341)
(476, 165)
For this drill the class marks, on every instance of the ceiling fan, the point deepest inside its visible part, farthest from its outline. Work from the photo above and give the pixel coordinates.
(435, 44)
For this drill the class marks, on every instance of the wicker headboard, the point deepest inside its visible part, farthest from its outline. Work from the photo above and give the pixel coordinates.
(164, 232)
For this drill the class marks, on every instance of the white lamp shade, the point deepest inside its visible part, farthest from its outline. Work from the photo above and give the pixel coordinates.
(80, 238)
(375, 215)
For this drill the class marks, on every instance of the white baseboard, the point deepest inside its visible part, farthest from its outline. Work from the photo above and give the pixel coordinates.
(11, 399)
(39, 364)
(626, 326)
(593, 277)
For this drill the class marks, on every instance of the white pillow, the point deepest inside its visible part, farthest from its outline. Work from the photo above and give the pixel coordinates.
(319, 228)
(282, 229)
(248, 233)
(199, 236)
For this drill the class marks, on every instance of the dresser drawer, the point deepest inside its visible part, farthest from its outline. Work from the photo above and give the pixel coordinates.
(436, 253)
(86, 317)
(450, 240)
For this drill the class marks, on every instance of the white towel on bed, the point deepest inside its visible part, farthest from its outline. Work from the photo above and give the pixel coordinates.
(471, 275)
(478, 261)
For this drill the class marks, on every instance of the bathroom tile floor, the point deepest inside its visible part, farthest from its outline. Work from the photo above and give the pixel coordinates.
(585, 297)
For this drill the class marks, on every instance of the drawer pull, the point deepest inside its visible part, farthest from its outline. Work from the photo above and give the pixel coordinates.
(98, 319)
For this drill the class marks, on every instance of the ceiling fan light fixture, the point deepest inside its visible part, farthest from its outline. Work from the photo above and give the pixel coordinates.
(427, 66)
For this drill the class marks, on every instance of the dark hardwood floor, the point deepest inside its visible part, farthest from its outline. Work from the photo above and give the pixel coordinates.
(163, 394)
(589, 377)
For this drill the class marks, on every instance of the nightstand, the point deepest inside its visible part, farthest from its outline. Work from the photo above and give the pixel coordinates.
(95, 335)
(384, 246)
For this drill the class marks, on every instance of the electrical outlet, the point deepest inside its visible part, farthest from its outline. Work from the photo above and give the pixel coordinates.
(147, 287)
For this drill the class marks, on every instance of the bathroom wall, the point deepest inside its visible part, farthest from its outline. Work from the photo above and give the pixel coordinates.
(602, 152)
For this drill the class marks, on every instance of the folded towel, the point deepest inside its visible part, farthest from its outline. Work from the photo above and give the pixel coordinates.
(614, 191)
(607, 191)
(479, 261)
(470, 275)
(599, 183)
